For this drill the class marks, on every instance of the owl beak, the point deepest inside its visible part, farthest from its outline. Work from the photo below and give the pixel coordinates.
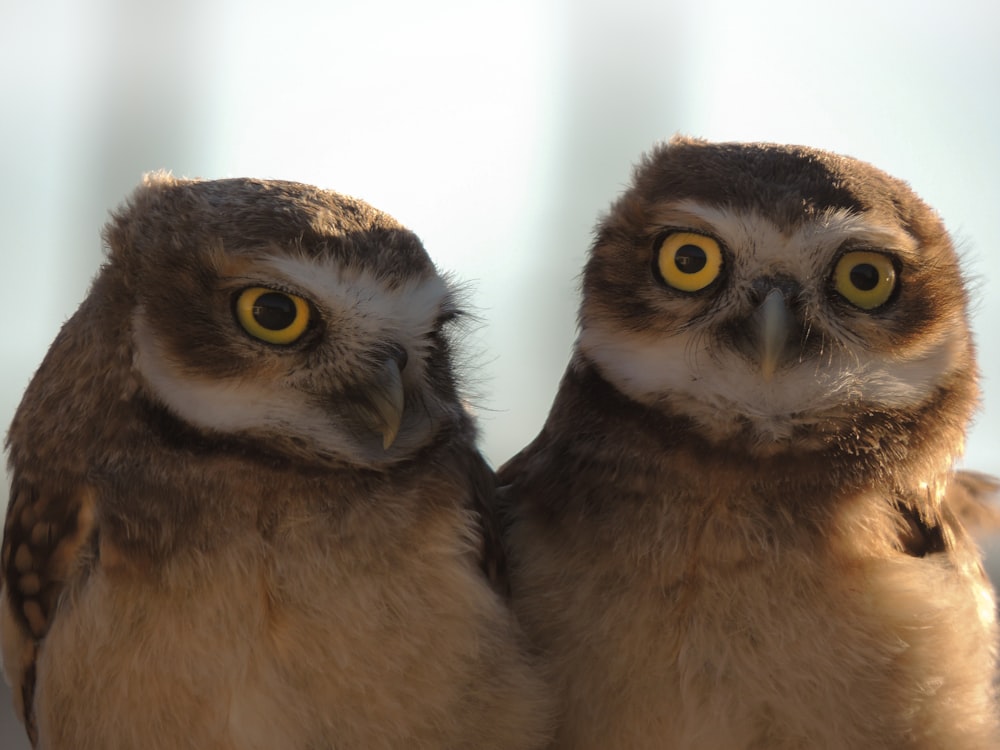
(774, 324)
(385, 395)
(379, 401)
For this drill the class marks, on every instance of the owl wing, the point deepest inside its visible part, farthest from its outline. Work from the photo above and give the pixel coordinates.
(484, 502)
(46, 534)
(969, 505)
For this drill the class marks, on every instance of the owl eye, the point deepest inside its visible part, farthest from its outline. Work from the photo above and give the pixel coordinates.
(272, 316)
(688, 261)
(865, 279)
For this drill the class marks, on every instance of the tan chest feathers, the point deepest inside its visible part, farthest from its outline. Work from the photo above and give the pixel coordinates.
(288, 656)
(778, 655)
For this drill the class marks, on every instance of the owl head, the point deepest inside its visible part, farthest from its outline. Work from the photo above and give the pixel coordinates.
(779, 297)
(301, 322)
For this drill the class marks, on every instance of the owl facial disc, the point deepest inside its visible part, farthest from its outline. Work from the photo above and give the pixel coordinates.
(799, 324)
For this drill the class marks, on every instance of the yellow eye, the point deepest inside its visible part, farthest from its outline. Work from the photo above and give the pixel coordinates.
(272, 316)
(865, 279)
(688, 261)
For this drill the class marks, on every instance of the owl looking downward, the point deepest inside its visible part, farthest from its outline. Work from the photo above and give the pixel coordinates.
(738, 528)
(247, 509)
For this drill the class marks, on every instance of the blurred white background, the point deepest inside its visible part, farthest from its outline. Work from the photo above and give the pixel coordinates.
(496, 131)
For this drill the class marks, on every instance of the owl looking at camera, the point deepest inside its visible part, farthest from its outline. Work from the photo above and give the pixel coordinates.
(738, 526)
(247, 509)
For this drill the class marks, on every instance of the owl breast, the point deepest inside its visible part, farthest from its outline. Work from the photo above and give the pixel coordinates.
(294, 641)
(728, 630)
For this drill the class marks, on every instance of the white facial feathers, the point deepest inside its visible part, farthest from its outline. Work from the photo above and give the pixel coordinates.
(404, 314)
(719, 387)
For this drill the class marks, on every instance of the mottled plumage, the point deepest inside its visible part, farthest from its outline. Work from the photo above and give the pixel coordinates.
(738, 526)
(246, 499)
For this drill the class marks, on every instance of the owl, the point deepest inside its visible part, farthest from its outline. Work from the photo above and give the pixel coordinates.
(738, 527)
(247, 509)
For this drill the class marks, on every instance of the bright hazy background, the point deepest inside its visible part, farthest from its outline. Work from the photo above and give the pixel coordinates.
(497, 131)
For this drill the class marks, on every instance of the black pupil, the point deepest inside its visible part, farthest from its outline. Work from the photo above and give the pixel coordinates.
(274, 311)
(690, 259)
(865, 276)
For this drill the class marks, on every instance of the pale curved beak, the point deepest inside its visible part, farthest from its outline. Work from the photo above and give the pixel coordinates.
(378, 404)
(774, 324)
